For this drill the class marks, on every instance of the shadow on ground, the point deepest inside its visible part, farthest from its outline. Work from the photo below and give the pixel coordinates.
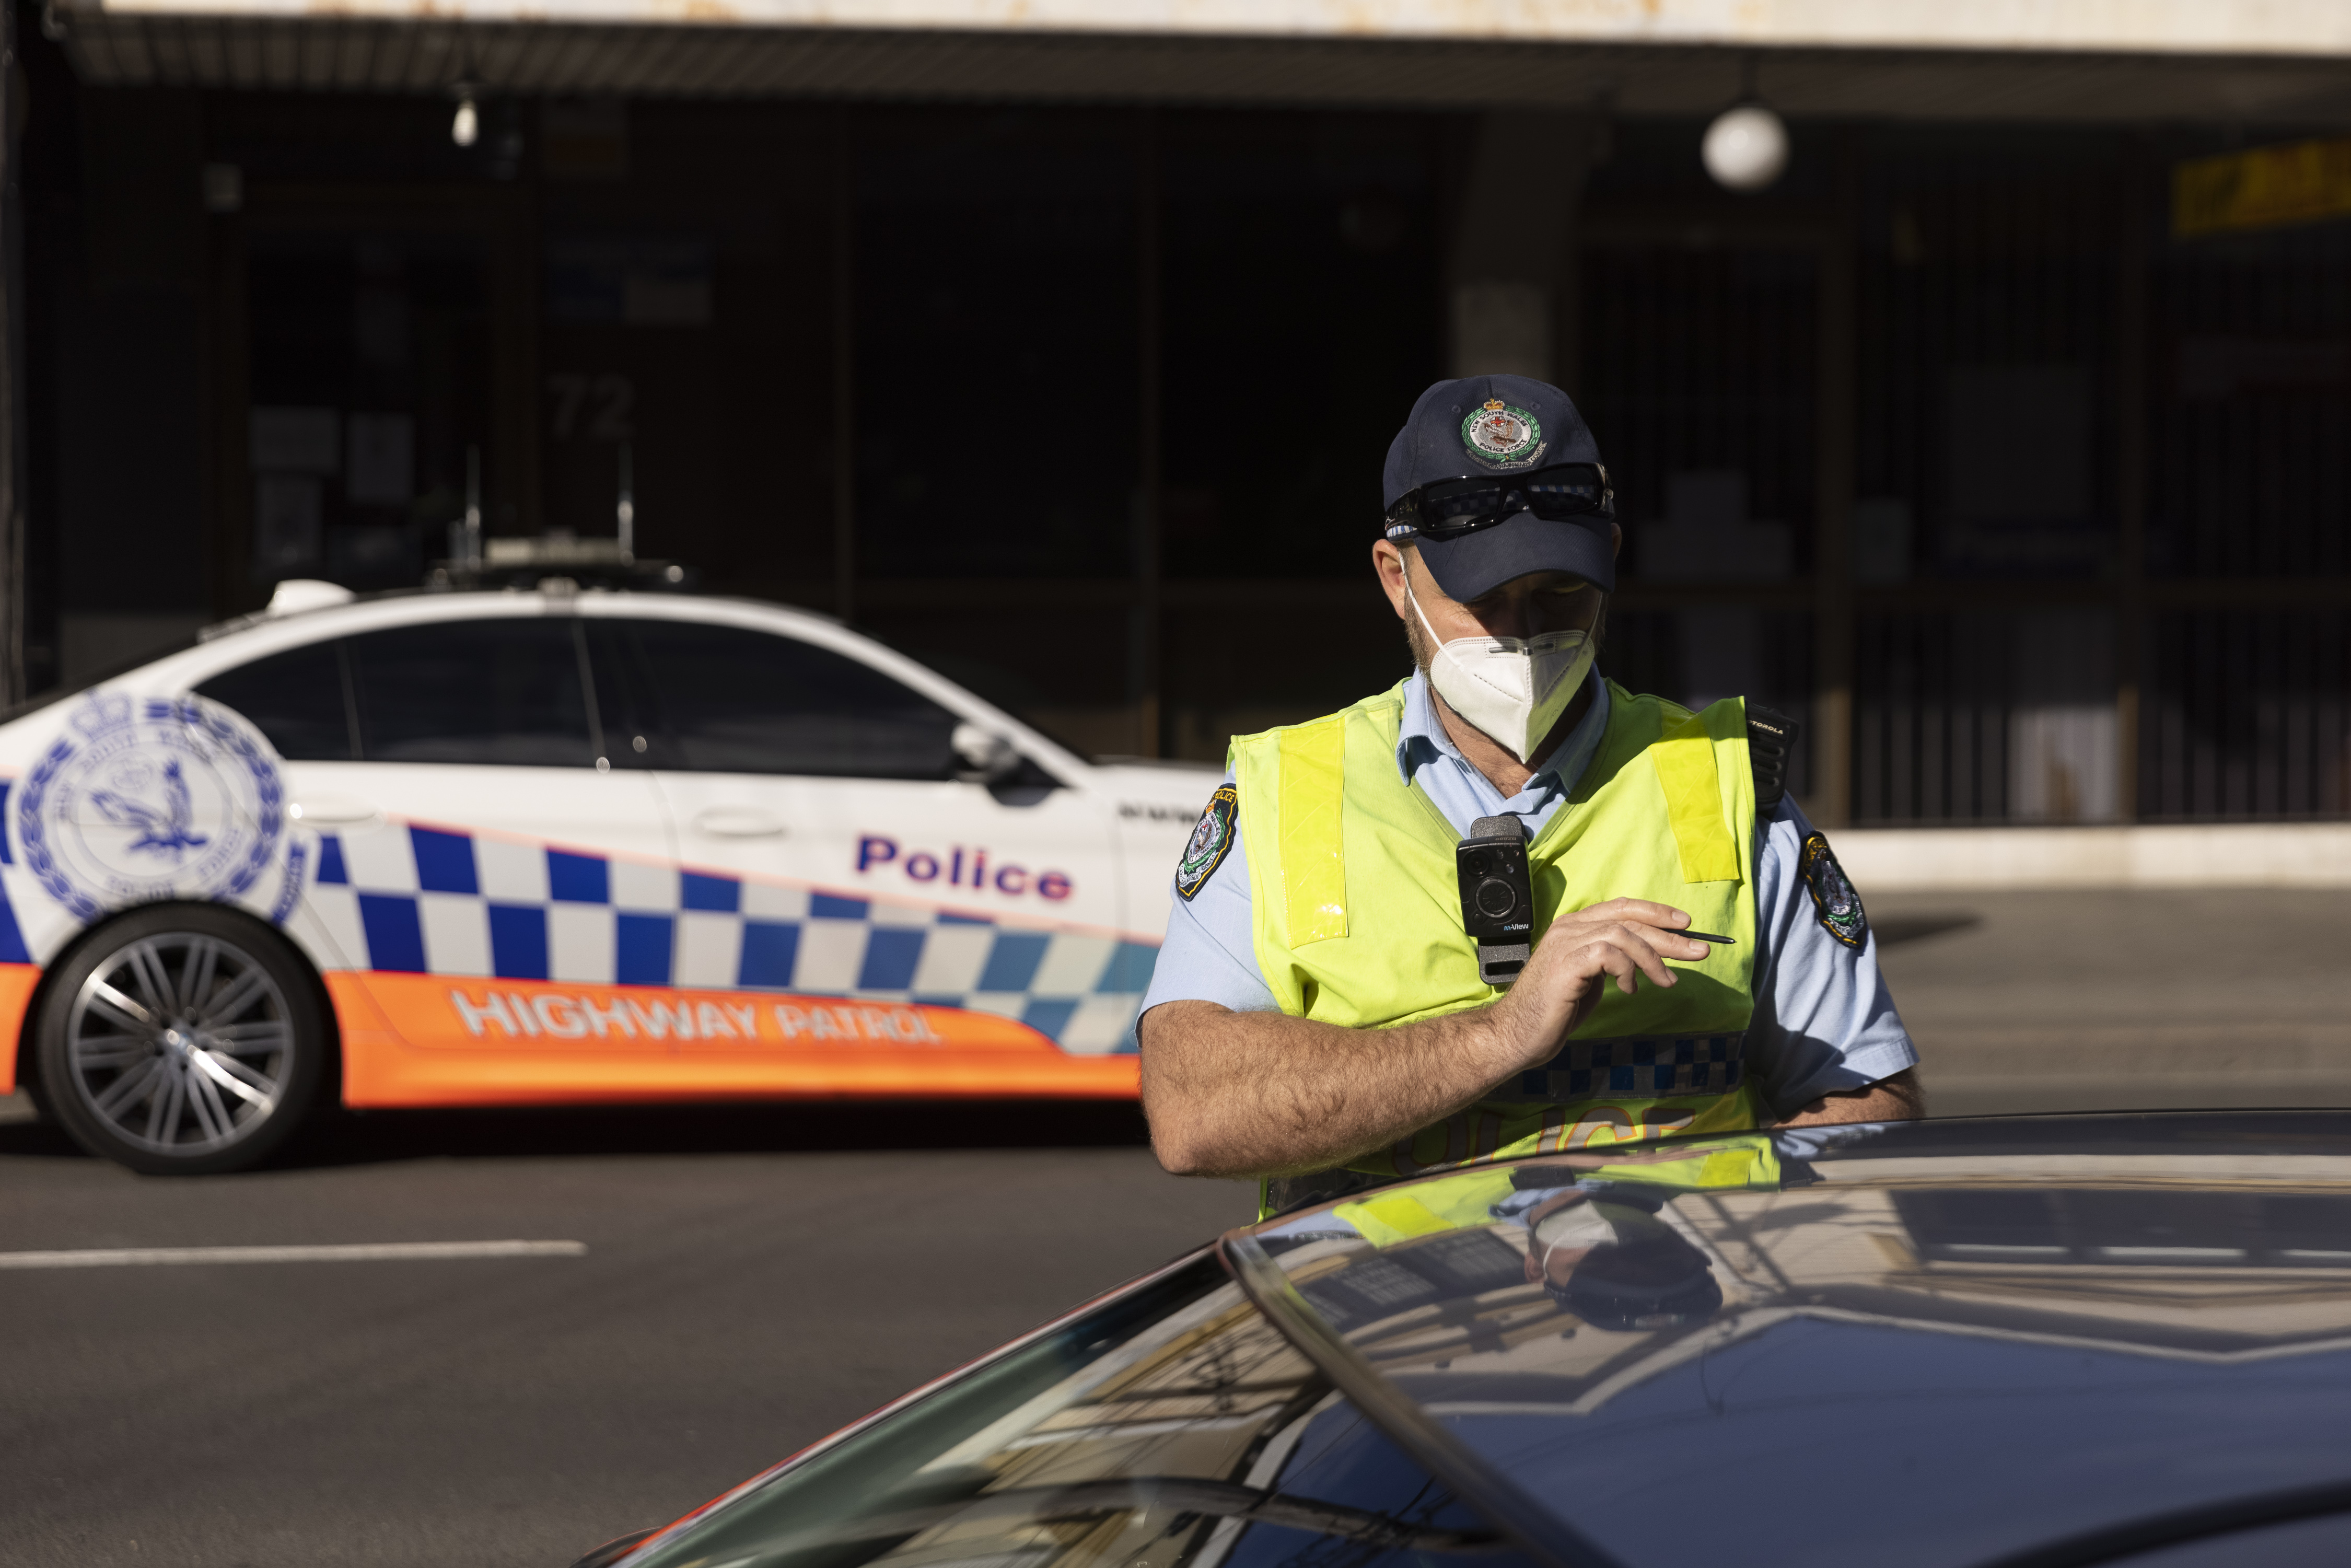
(2132, 999)
(1917, 926)
(375, 1137)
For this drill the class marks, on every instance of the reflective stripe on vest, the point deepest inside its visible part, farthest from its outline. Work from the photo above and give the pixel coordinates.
(1366, 929)
(1705, 1064)
(1312, 838)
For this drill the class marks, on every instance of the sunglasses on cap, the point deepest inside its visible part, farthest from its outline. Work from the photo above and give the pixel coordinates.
(1448, 508)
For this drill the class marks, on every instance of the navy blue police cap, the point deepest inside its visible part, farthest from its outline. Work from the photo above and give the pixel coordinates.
(1493, 426)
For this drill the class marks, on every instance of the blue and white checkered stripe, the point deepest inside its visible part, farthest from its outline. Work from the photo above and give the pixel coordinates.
(431, 901)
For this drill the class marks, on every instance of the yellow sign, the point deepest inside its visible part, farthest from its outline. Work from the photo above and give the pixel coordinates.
(2268, 187)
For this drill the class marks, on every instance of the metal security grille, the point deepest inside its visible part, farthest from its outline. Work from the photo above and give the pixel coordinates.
(1931, 718)
(1984, 460)
(1697, 361)
(1988, 281)
(1986, 715)
(1697, 374)
(2249, 471)
(2247, 714)
(2249, 513)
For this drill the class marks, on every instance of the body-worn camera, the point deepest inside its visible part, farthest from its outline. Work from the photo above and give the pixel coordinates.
(1498, 899)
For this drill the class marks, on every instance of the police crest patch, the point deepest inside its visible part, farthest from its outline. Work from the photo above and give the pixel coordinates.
(1833, 899)
(1210, 842)
(1502, 436)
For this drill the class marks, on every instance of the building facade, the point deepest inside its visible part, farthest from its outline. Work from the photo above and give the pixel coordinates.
(2005, 439)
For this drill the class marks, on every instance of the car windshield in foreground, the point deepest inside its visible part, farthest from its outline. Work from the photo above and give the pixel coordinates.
(1873, 1346)
(2055, 1341)
(1171, 1427)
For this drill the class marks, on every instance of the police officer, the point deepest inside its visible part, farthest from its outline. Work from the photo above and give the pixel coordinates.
(1318, 1017)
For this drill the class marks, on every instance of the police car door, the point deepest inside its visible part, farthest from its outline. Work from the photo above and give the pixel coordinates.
(874, 862)
(475, 848)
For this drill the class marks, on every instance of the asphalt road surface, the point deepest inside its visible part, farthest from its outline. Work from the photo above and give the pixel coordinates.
(753, 1278)
(2142, 999)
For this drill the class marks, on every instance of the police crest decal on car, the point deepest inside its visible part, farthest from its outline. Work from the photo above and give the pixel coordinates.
(1837, 903)
(144, 799)
(1210, 842)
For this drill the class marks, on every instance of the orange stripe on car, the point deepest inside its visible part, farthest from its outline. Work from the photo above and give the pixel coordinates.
(438, 1039)
(17, 983)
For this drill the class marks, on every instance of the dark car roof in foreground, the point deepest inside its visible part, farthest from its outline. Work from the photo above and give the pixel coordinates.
(1939, 1343)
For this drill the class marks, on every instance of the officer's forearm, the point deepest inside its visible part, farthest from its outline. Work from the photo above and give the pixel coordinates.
(1896, 1099)
(1262, 1093)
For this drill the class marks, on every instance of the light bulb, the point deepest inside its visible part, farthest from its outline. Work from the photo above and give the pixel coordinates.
(1746, 147)
(466, 126)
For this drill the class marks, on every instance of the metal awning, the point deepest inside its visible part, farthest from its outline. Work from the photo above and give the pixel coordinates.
(2276, 62)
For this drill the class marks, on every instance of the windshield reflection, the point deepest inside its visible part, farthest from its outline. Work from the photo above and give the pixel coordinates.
(1171, 1428)
(2043, 1325)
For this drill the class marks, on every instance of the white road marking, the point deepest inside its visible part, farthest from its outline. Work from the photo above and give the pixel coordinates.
(362, 1252)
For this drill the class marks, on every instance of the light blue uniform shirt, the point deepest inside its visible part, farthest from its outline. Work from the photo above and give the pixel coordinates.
(1824, 1021)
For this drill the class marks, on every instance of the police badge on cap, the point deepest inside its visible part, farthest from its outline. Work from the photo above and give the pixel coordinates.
(1500, 436)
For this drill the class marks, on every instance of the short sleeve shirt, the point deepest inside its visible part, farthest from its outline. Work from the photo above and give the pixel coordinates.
(1823, 1021)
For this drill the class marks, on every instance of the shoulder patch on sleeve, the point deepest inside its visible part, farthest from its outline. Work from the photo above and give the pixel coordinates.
(1833, 899)
(1210, 842)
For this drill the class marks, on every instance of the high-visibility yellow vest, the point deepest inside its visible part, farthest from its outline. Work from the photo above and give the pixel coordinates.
(1357, 915)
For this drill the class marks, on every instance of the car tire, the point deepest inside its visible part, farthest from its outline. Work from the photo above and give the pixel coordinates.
(182, 1040)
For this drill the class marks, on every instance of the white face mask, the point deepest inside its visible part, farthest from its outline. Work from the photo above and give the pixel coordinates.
(1513, 688)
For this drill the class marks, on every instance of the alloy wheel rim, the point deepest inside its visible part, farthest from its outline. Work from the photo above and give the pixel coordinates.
(181, 1043)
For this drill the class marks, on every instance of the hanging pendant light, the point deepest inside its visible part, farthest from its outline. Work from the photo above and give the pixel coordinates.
(466, 127)
(1746, 148)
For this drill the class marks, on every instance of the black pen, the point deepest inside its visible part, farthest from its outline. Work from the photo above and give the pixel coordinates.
(1708, 936)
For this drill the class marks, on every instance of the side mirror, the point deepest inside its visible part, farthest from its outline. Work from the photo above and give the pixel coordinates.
(984, 756)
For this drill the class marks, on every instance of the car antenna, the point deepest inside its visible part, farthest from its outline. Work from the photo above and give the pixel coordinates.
(556, 557)
(624, 513)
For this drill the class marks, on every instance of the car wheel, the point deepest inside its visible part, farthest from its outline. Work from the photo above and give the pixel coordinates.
(182, 1040)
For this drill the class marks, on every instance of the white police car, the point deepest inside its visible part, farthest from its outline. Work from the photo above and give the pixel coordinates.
(552, 846)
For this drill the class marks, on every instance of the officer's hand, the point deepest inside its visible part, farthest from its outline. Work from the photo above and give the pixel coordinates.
(1571, 965)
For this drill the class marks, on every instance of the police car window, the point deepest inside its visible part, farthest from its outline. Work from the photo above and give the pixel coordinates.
(736, 701)
(298, 699)
(499, 691)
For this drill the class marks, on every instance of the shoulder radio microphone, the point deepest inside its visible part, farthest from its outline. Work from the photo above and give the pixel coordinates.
(1498, 899)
